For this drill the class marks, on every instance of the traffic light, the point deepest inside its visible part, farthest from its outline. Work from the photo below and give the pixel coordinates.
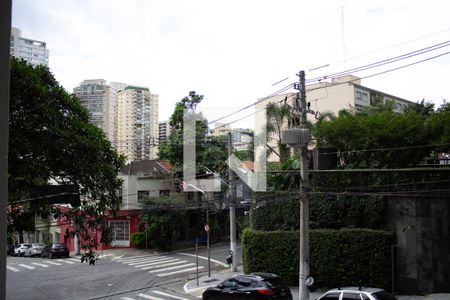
(177, 186)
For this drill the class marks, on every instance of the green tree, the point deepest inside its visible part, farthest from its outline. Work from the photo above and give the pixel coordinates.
(377, 138)
(163, 221)
(51, 138)
(211, 152)
(277, 118)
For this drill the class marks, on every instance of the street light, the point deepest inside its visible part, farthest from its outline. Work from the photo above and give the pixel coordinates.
(206, 226)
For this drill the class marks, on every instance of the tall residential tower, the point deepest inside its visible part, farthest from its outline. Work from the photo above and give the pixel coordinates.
(137, 123)
(33, 51)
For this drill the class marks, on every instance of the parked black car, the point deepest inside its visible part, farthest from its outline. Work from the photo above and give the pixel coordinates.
(250, 286)
(10, 250)
(55, 250)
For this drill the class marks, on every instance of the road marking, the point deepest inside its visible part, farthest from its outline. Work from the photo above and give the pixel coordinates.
(66, 261)
(172, 268)
(140, 256)
(169, 295)
(131, 260)
(146, 261)
(151, 263)
(149, 297)
(117, 257)
(163, 265)
(26, 266)
(180, 271)
(74, 259)
(39, 264)
(53, 263)
(126, 298)
(205, 258)
(12, 269)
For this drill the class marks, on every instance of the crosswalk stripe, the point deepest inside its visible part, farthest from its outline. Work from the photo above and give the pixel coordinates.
(149, 297)
(126, 298)
(12, 269)
(26, 266)
(179, 271)
(138, 256)
(74, 259)
(117, 257)
(39, 264)
(53, 263)
(169, 295)
(172, 268)
(146, 261)
(66, 261)
(130, 260)
(163, 265)
(151, 263)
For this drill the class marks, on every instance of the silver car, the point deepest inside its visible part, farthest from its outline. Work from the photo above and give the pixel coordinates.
(356, 293)
(34, 250)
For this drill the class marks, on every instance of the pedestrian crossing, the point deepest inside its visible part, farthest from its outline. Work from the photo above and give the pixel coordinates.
(160, 265)
(155, 295)
(33, 265)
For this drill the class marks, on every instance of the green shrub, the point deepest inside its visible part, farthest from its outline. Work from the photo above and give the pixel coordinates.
(280, 211)
(337, 257)
(138, 238)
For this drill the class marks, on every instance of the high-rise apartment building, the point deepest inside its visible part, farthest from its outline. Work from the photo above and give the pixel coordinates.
(164, 131)
(33, 51)
(95, 96)
(137, 123)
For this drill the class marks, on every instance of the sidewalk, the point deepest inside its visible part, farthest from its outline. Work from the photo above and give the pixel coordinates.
(196, 290)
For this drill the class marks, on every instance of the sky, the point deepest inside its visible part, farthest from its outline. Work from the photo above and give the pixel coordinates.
(233, 52)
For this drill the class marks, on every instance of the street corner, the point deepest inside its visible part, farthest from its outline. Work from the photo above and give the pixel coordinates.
(197, 287)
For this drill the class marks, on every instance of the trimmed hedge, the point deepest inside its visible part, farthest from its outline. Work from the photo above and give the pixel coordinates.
(346, 257)
(282, 211)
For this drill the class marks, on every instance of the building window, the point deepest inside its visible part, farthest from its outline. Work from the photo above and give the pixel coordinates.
(143, 196)
(164, 193)
(57, 237)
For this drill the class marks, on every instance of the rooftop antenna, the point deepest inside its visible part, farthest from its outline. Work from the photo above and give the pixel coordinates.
(343, 31)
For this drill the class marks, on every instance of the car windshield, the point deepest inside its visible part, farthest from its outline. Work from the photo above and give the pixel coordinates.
(383, 295)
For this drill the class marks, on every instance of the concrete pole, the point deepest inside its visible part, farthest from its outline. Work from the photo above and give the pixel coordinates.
(5, 38)
(304, 201)
(232, 195)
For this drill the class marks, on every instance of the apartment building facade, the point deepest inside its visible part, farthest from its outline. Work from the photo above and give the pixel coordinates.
(33, 51)
(137, 123)
(100, 100)
(164, 130)
(345, 92)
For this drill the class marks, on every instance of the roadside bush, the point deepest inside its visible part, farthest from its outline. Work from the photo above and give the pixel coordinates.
(138, 239)
(358, 257)
(281, 212)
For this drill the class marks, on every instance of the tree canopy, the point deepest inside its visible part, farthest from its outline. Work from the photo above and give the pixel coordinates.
(52, 139)
(382, 138)
(211, 151)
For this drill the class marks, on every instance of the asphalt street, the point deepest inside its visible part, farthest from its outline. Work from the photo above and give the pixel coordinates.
(120, 274)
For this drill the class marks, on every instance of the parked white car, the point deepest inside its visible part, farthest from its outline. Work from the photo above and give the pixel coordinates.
(20, 251)
(34, 250)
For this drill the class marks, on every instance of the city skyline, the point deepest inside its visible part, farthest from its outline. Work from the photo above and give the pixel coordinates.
(233, 52)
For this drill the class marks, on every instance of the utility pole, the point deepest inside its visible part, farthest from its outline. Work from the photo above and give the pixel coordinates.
(297, 136)
(232, 197)
(304, 201)
(5, 39)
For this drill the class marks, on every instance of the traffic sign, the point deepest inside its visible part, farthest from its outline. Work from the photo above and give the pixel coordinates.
(206, 227)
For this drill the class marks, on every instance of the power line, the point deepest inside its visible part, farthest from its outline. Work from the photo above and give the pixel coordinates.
(384, 62)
